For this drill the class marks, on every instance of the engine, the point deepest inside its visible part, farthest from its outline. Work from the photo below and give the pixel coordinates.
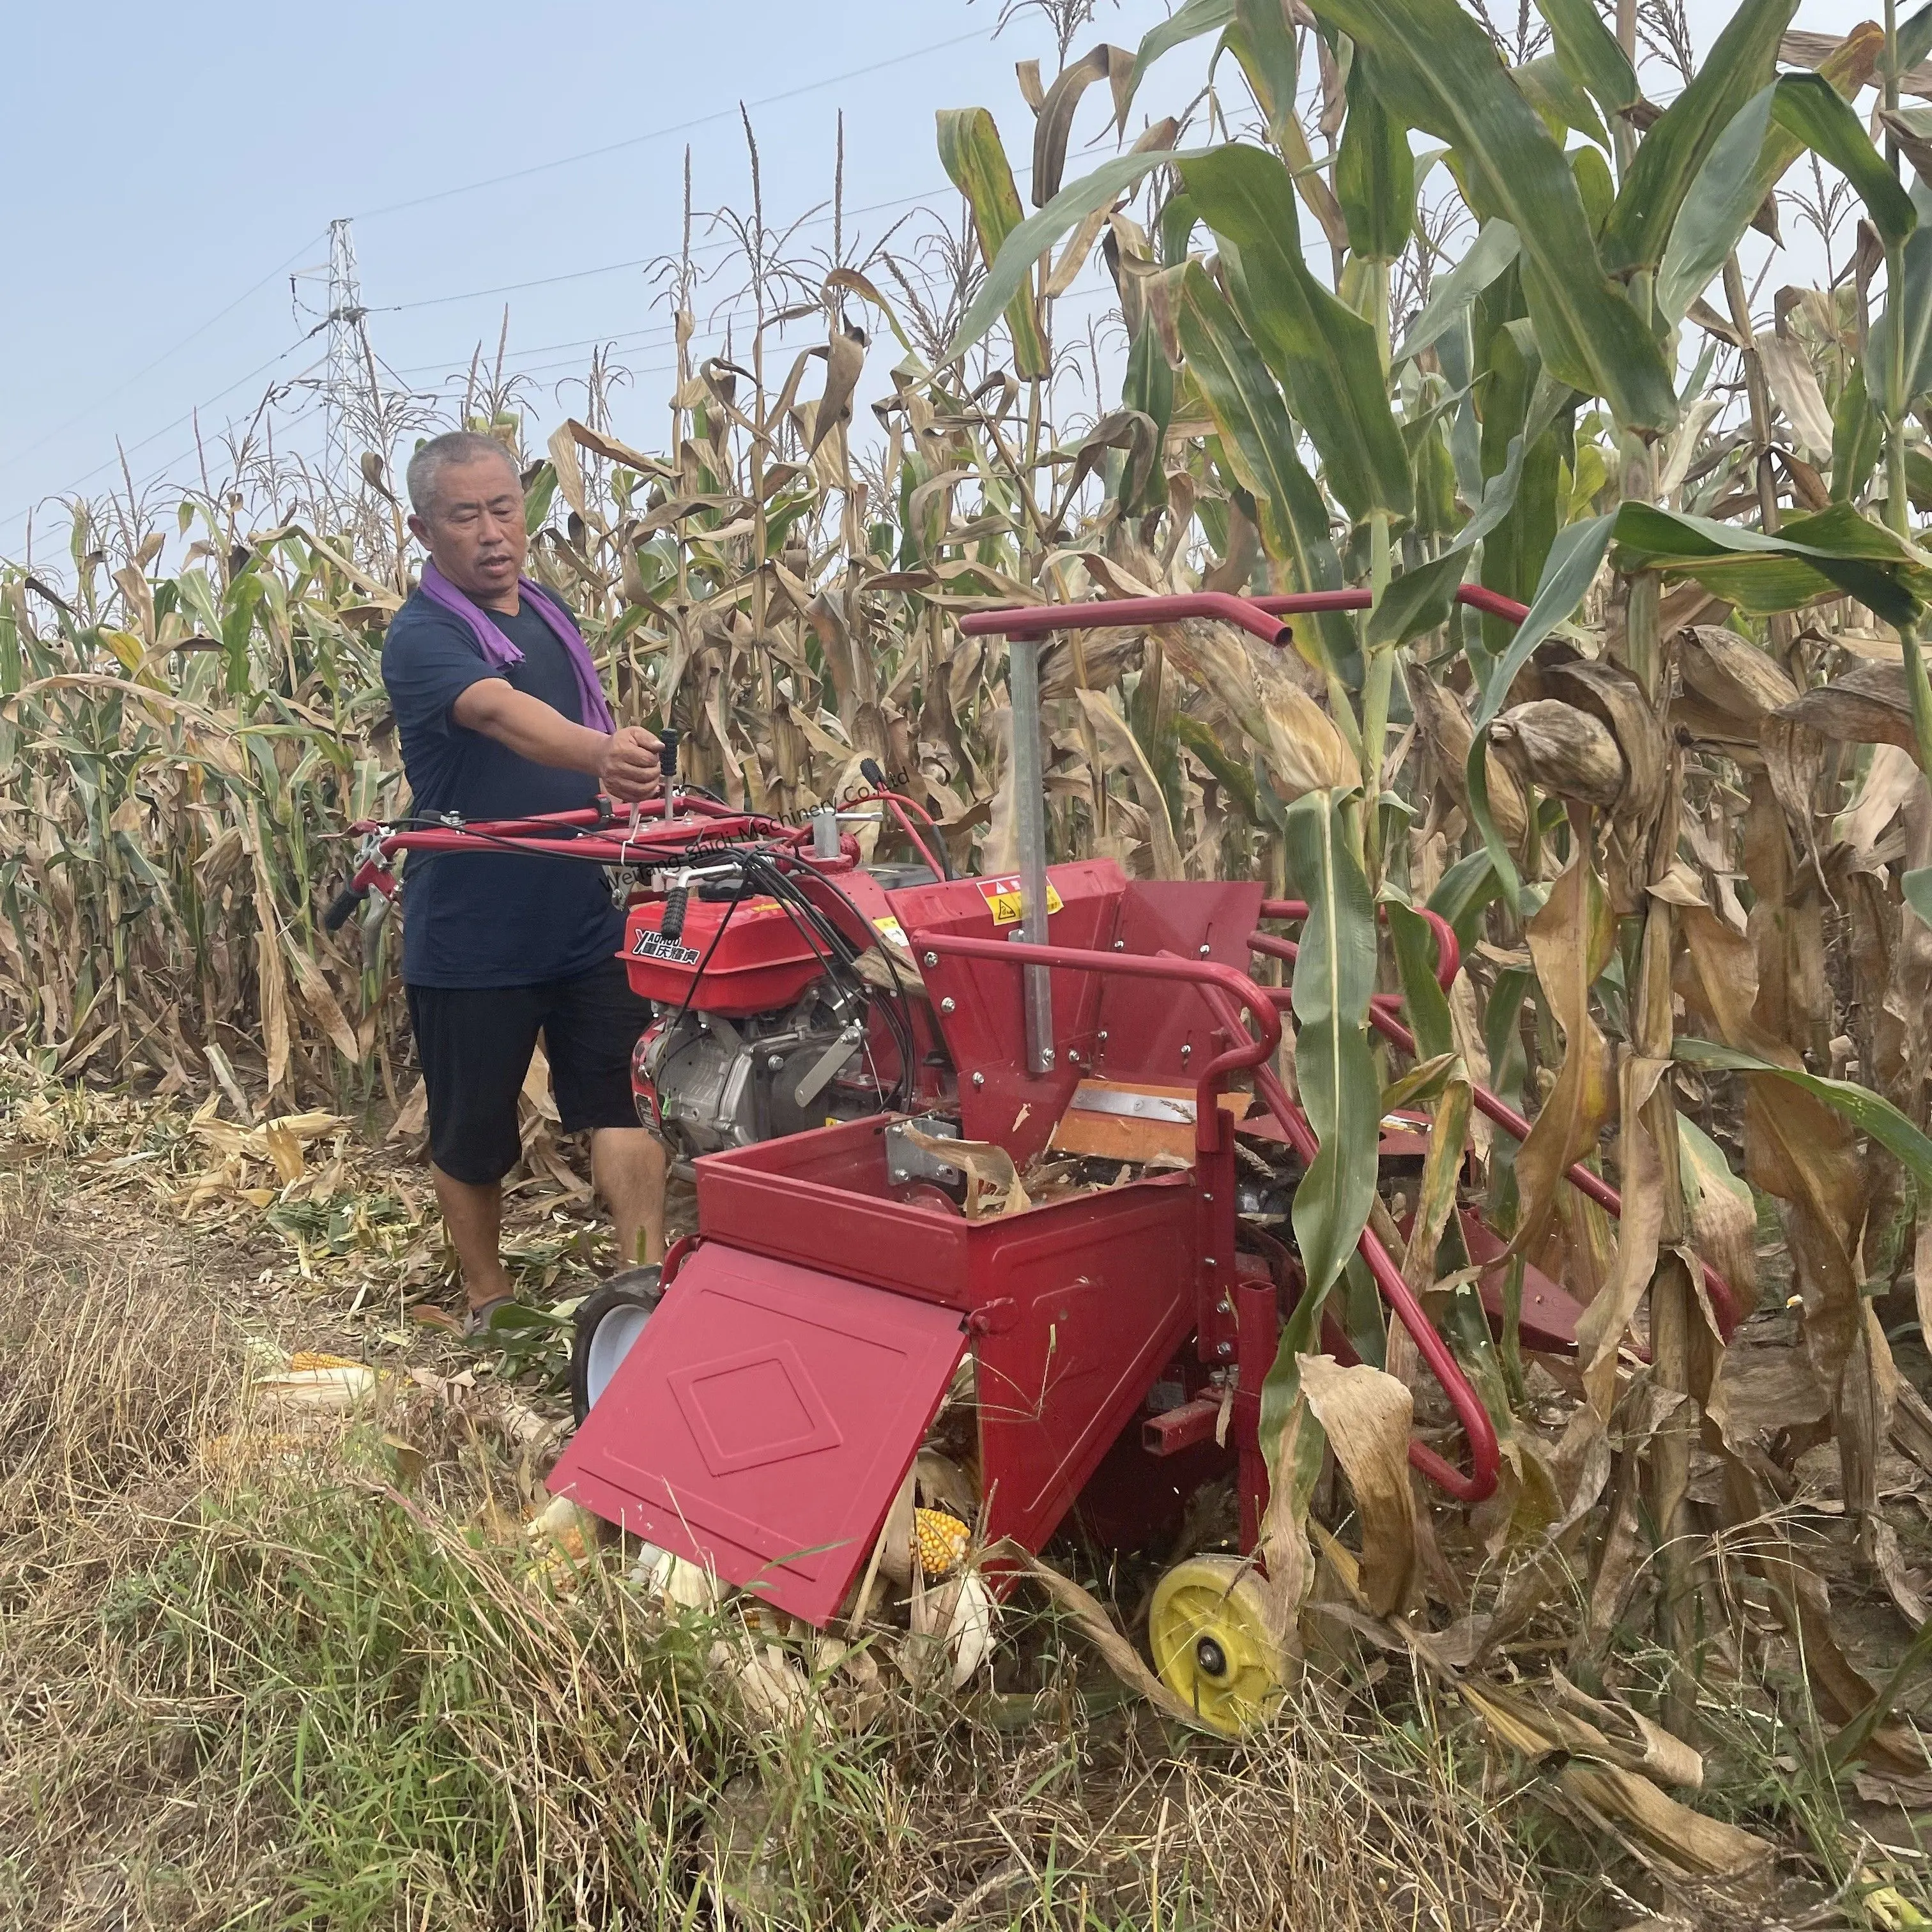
(707, 1082)
(762, 1028)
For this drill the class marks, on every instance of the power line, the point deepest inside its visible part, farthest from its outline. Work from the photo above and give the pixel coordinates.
(723, 245)
(632, 340)
(676, 127)
(194, 334)
(122, 452)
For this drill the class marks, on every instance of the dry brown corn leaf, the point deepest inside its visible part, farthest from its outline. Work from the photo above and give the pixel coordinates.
(1367, 1415)
(1683, 1843)
(1570, 939)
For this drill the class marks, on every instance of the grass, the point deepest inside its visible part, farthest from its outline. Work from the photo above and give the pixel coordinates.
(288, 1690)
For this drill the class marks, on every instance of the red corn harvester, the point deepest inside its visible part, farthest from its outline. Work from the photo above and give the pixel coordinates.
(758, 1409)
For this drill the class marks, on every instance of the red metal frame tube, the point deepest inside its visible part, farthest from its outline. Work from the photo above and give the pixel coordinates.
(1174, 1430)
(1035, 620)
(1251, 614)
(1208, 974)
(1448, 948)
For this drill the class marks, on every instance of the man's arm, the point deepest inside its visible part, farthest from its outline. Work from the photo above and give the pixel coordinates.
(625, 763)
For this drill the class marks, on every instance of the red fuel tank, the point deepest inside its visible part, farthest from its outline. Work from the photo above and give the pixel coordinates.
(760, 960)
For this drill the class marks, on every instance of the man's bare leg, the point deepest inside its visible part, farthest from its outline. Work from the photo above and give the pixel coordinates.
(474, 1216)
(627, 1165)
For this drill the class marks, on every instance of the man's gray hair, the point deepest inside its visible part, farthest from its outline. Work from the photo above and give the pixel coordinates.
(455, 446)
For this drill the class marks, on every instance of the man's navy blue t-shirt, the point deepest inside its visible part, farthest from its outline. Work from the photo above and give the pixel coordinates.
(489, 918)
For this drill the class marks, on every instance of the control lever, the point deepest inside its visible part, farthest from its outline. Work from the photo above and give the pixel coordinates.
(668, 742)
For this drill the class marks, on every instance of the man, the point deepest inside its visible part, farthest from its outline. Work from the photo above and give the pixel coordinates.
(501, 715)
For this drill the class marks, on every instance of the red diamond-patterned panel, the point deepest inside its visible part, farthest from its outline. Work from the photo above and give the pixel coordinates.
(763, 1422)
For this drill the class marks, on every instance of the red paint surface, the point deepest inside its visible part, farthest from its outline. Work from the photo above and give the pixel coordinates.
(763, 1422)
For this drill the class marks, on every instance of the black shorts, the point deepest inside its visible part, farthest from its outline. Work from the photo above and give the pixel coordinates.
(474, 1044)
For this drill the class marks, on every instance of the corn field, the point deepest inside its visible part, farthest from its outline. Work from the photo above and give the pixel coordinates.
(1403, 304)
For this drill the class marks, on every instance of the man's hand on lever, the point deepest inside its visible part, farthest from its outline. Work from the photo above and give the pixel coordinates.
(630, 770)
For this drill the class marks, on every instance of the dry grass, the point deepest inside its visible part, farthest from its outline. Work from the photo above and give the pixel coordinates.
(297, 1693)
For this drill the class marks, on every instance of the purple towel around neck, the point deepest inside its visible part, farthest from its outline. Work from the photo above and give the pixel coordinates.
(498, 651)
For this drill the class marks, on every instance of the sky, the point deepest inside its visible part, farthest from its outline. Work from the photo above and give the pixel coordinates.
(171, 169)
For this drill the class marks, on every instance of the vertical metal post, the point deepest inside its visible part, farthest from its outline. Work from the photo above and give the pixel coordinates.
(1030, 825)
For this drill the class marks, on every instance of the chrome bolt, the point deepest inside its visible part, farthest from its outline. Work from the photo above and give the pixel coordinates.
(1186, 1050)
(1224, 1306)
(773, 1061)
(1205, 950)
(931, 959)
(1102, 1036)
(1208, 1197)
(1046, 1056)
(1208, 1261)
(1120, 945)
(945, 1005)
(1224, 1348)
(978, 1080)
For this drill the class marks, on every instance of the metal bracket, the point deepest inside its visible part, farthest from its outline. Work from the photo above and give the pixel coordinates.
(828, 1064)
(906, 1160)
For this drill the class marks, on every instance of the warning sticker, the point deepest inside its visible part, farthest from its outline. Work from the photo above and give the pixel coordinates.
(649, 945)
(892, 929)
(1004, 899)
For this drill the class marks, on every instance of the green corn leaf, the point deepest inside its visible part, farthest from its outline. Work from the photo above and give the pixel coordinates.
(539, 496)
(1717, 209)
(1375, 175)
(1418, 600)
(1428, 1004)
(1917, 887)
(1914, 38)
(1463, 892)
(1810, 109)
(1870, 1113)
(1672, 155)
(1547, 85)
(1334, 976)
(1009, 270)
(1574, 559)
(1190, 22)
(1323, 354)
(1836, 551)
(1857, 435)
(1590, 54)
(1257, 440)
(1435, 69)
(1262, 39)
(976, 165)
(1421, 599)
(1493, 250)
(1916, 308)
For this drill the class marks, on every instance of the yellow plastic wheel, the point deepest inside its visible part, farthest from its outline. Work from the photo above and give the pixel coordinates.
(1208, 1628)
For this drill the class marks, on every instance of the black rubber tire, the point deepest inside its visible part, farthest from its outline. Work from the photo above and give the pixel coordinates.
(635, 1289)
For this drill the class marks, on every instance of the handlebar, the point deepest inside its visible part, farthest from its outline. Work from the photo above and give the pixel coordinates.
(343, 905)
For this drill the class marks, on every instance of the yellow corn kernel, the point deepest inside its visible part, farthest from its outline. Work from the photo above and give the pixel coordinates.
(942, 1540)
